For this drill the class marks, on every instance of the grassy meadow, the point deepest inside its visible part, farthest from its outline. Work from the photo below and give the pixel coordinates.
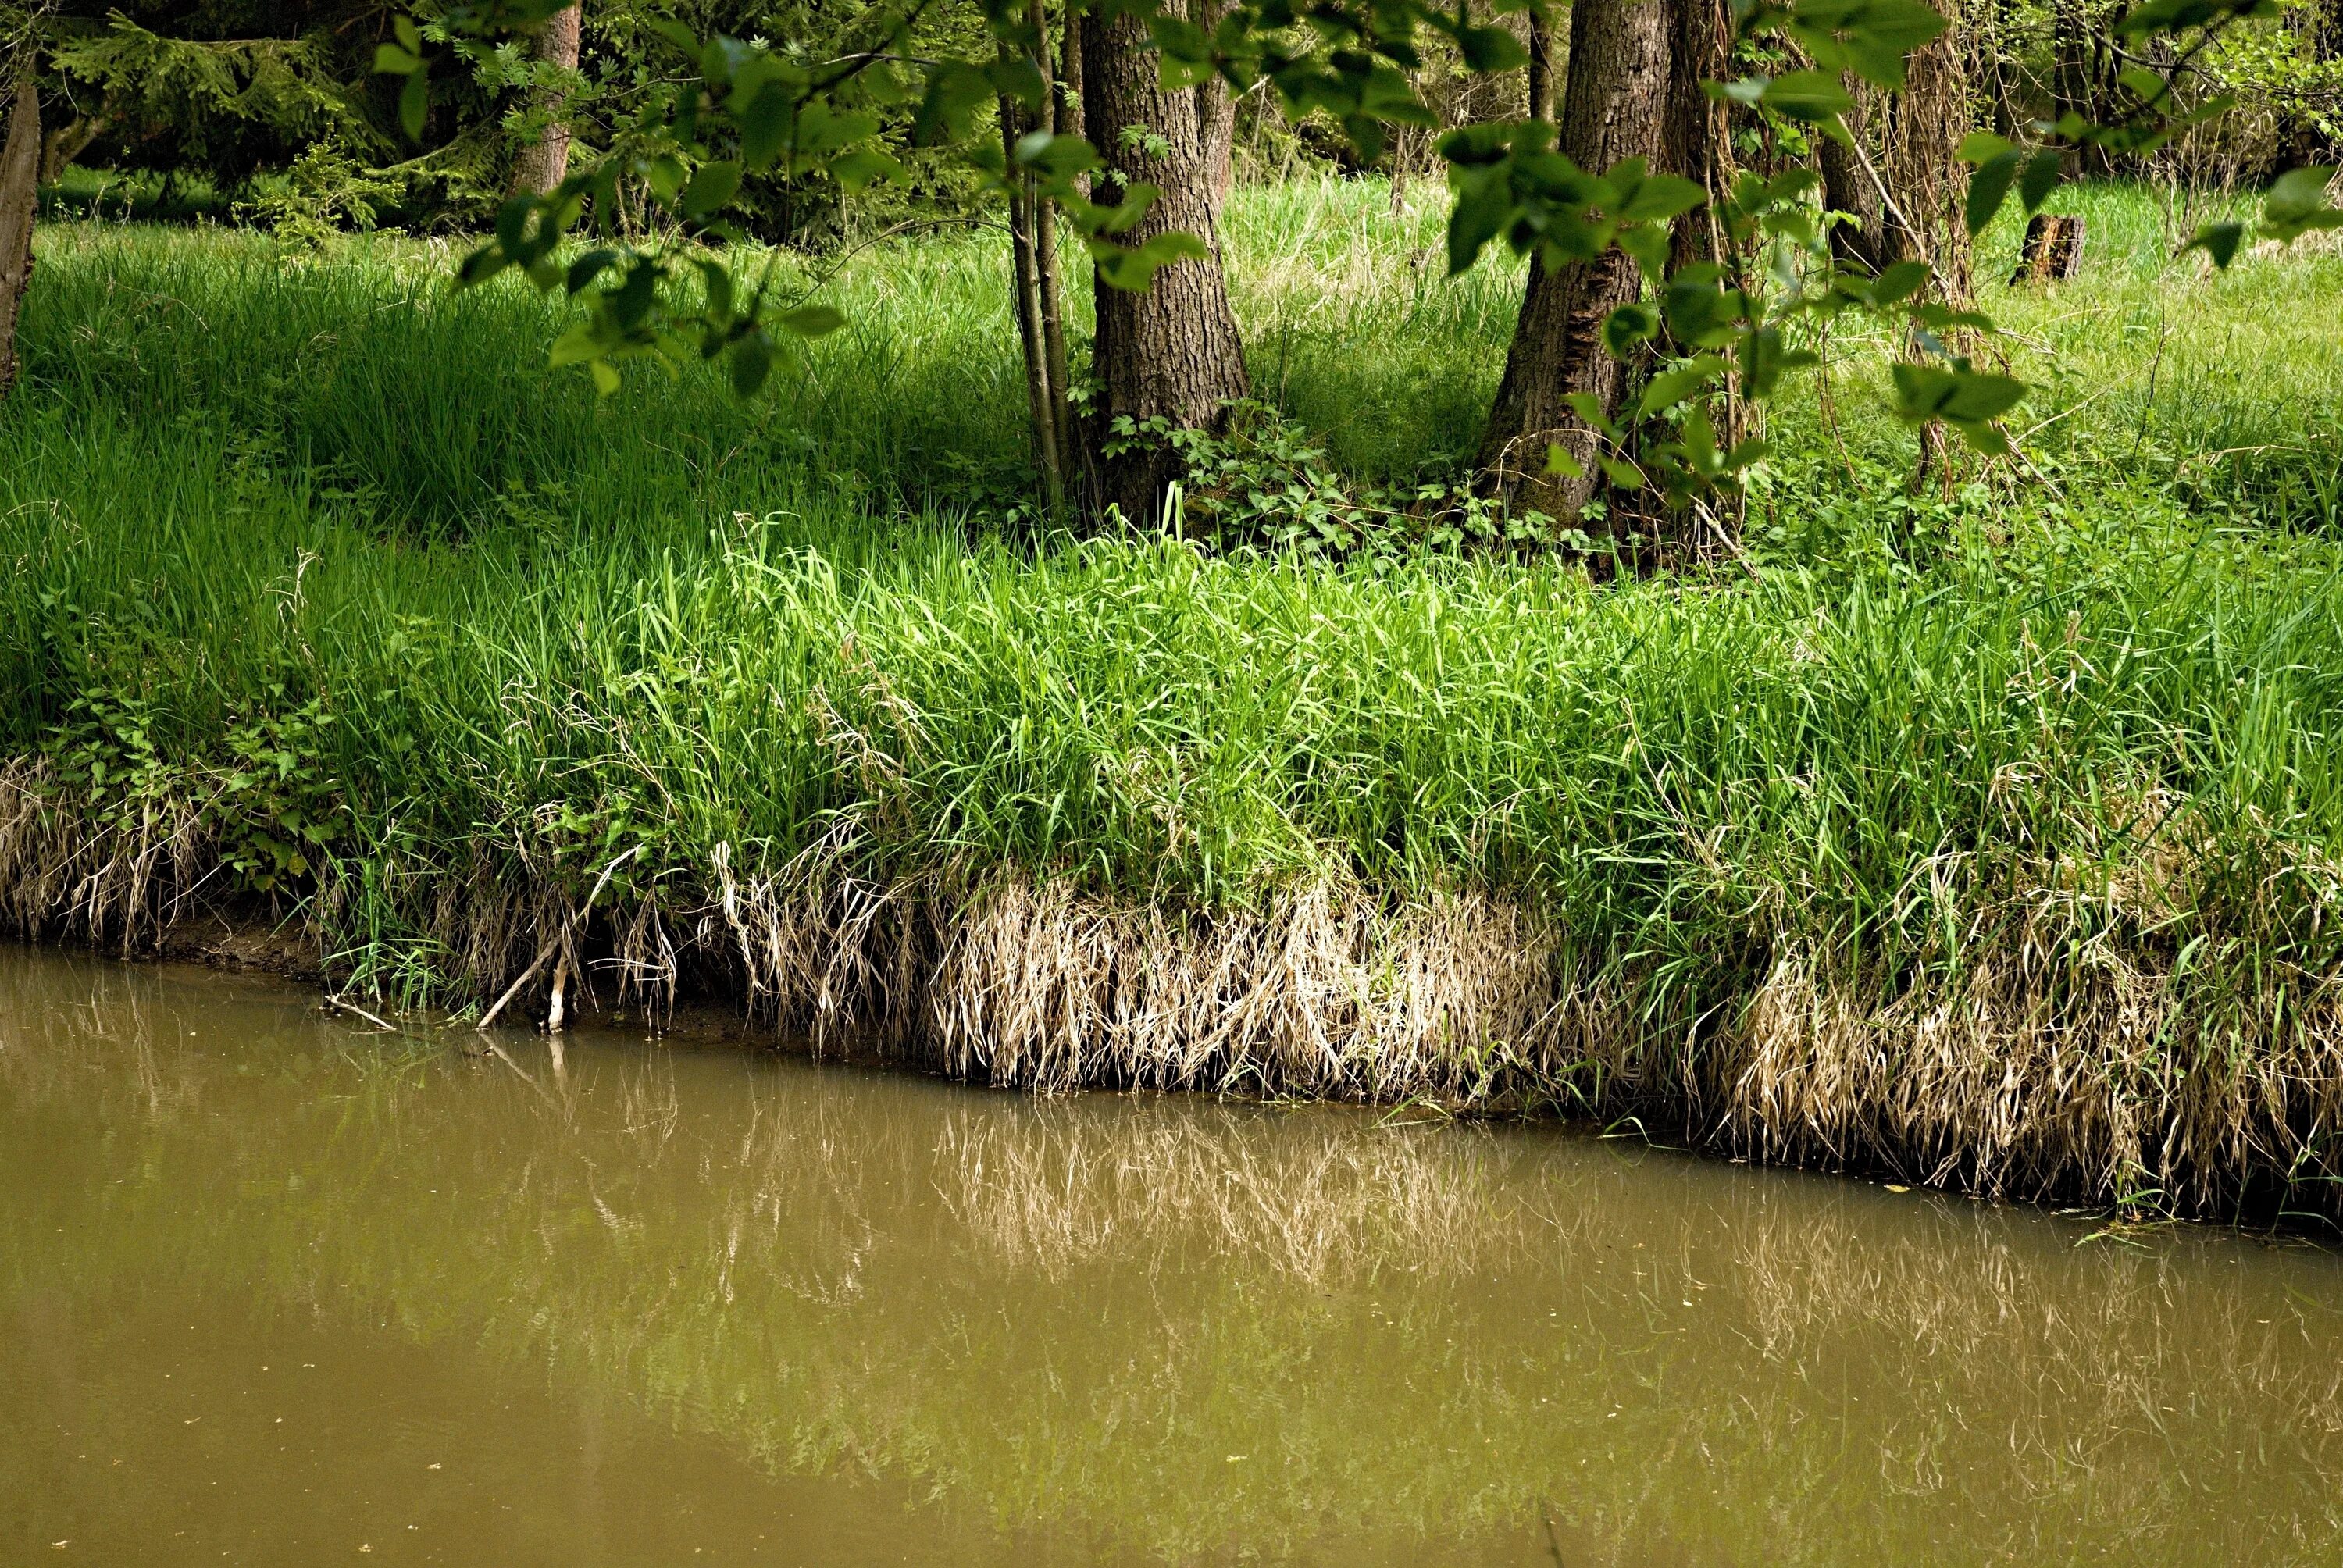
(1992, 838)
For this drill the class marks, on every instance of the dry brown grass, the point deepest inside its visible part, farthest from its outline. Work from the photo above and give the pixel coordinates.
(2041, 1066)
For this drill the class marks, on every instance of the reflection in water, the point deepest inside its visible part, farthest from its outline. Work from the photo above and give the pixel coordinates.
(669, 1299)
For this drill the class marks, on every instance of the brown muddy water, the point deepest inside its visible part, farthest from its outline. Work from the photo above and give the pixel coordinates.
(275, 1289)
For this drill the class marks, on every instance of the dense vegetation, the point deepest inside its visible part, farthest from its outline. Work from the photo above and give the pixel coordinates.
(1992, 833)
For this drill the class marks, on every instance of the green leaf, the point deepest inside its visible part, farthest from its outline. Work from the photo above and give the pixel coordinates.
(752, 361)
(1920, 390)
(765, 124)
(2040, 179)
(1810, 97)
(1981, 147)
(1900, 281)
(1671, 387)
(1558, 460)
(1980, 395)
(1592, 413)
(717, 279)
(675, 33)
(414, 101)
(858, 170)
(1648, 244)
(391, 60)
(665, 174)
(1484, 207)
(1628, 326)
(1490, 49)
(1871, 37)
(575, 347)
(810, 320)
(1655, 197)
(587, 267)
(1989, 189)
(712, 185)
(1053, 157)
(1016, 77)
(2141, 83)
(2218, 240)
(605, 375)
(1622, 472)
(1133, 269)
(2297, 196)
(955, 89)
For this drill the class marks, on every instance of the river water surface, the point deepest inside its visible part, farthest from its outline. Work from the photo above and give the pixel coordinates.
(275, 1289)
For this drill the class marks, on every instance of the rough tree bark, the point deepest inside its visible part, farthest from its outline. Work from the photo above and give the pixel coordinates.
(544, 163)
(1169, 351)
(1614, 106)
(1541, 69)
(1697, 137)
(1850, 185)
(1216, 112)
(20, 169)
(1698, 146)
(1926, 123)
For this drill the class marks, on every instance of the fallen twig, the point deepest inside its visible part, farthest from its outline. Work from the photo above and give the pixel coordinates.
(527, 975)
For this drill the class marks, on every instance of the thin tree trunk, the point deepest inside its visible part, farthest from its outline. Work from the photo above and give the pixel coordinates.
(1541, 71)
(2070, 69)
(1045, 246)
(20, 169)
(1032, 335)
(2003, 66)
(1169, 351)
(1614, 106)
(544, 163)
(1066, 111)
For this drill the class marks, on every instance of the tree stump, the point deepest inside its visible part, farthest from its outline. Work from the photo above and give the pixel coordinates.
(2053, 251)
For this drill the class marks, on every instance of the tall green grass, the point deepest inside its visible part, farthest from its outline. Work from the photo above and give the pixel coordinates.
(2040, 779)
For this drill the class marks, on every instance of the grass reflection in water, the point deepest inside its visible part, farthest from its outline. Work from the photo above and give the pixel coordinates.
(1175, 1328)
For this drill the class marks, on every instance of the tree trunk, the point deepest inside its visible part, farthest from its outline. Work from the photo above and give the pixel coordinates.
(1169, 351)
(2070, 73)
(544, 163)
(1045, 246)
(60, 146)
(1926, 123)
(20, 169)
(1025, 281)
(1216, 112)
(1699, 147)
(1615, 106)
(1541, 72)
(1850, 185)
(1697, 142)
